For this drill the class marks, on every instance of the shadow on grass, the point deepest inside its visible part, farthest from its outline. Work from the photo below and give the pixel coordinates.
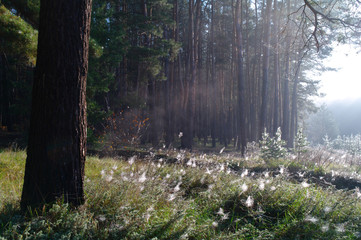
(10, 215)
(161, 231)
(13, 221)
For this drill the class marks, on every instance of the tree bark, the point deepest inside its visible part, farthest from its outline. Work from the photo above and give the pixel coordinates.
(187, 139)
(57, 136)
(4, 106)
(255, 99)
(265, 68)
(213, 81)
(276, 77)
(294, 111)
(286, 101)
(169, 74)
(241, 84)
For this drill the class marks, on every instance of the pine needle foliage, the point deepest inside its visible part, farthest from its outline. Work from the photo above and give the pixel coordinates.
(300, 143)
(272, 147)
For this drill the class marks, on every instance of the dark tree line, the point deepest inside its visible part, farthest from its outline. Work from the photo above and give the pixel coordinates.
(217, 71)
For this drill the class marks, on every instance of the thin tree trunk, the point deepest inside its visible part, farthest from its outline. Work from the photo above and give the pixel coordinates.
(213, 81)
(154, 121)
(3, 92)
(168, 101)
(187, 139)
(286, 101)
(241, 84)
(254, 106)
(248, 77)
(276, 123)
(265, 68)
(294, 104)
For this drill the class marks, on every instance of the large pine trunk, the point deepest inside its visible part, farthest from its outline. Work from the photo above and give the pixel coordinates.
(57, 136)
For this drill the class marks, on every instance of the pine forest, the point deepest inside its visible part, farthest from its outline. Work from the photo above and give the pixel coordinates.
(177, 119)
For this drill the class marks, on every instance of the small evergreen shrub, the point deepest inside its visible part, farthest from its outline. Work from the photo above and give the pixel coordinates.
(350, 144)
(326, 141)
(300, 143)
(272, 147)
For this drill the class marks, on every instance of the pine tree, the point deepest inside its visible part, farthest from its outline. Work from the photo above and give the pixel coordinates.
(272, 147)
(300, 143)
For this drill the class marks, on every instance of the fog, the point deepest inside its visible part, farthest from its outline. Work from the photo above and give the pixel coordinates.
(347, 114)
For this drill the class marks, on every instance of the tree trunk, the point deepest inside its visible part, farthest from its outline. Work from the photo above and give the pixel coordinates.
(57, 136)
(154, 121)
(169, 74)
(248, 85)
(187, 139)
(276, 17)
(5, 96)
(294, 116)
(2, 87)
(286, 101)
(254, 106)
(241, 85)
(120, 70)
(265, 66)
(213, 81)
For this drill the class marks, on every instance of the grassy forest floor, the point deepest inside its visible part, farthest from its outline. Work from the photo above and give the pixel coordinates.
(169, 194)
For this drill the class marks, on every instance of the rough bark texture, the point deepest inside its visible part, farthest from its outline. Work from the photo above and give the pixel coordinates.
(57, 136)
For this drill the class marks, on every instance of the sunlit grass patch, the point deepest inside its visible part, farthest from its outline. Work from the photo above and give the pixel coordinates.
(12, 165)
(196, 197)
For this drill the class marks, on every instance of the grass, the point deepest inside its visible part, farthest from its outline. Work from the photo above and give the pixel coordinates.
(199, 197)
(12, 167)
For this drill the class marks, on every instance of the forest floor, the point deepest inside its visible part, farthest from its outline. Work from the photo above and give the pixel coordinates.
(171, 194)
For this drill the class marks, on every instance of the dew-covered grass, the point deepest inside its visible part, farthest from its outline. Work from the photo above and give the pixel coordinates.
(198, 196)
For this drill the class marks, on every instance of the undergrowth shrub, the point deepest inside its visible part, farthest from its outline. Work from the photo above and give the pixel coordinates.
(351, 144)
(300, 144)
(272, 147)
(124, 128)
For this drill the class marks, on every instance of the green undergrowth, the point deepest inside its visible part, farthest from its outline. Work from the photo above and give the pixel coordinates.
(148, 199)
